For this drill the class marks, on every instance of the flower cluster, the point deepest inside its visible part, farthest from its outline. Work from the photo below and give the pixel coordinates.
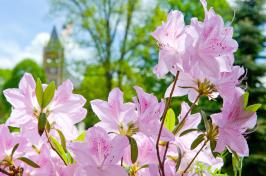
(142, 137)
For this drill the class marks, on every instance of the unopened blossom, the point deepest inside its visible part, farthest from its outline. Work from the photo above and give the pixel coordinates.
(170, 37)
(65, 109)
(233, 122)
(99, 155)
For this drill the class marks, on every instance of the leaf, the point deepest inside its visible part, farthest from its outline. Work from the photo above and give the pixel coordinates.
(69, 158)
(58, 148)
(81, 137)
(253, 108)
(245, 97)
(41, 123)
(205, 120)
(133, 149)
(63, 139)
(188, 131)
(29, 162)
(178, 161)
(48, 94)
(14, 150)
(170, 120)
(213, 146)
(197, 141)
(39, 92)
(179, 126)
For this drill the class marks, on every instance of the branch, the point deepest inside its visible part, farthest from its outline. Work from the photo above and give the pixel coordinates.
(162, 123)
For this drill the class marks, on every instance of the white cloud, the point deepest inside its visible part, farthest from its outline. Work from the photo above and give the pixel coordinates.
(11, 52)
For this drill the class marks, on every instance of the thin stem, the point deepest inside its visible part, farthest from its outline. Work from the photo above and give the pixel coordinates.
(186, 115)
(162, 123)
(165, 152)
(195, 156)
(49, 141)
(4, 172)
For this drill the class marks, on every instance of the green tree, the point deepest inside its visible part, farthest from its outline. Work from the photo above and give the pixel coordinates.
(27, 65)
(249, 21)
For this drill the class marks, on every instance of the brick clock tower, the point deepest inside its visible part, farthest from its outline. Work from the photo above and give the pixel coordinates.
(53, 59)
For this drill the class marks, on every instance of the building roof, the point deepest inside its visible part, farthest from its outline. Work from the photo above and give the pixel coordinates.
(54, 42)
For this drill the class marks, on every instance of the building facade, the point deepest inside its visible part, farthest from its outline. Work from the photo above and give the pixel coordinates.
(53, 59)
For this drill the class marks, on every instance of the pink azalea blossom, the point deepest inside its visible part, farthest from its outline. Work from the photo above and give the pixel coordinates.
(233, 121)
(187, 84)
(171, 41)
(65, 110)
(50, 165)
(8, 142)
(149, 113)
(99, 155)
(123, 118)
(115, 115)
(209, 43)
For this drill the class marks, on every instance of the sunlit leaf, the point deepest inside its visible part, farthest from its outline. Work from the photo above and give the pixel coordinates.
(170, 120)
(39, 92)
(62, 138)
(59, 149)
(48, 94)
(253, 108)
(81, 137)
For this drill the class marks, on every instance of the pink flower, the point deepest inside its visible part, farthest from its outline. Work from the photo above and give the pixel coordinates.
(8, 142)
(115, 115)
(65, 110)
(123, 118)
(50, 165)
(190, 84)
(171, 42)
(99, 155)
(149, 112)
(233, 121)
(210, 44)
(146, 154)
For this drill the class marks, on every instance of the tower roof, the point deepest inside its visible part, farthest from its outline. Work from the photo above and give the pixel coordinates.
(54, 42)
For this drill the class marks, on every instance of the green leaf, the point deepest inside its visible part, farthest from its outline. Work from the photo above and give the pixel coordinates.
(29, 162)
(81, 137)
(170, 120)
(253, 108)
(48, 94)
(41, 123)
(39, 92)
(69, 158)
(59, 149)
(62, 138)
(188, 131)
(179, 126)
(14, 150)
(133, 149)
(178, 161)
(197, 141)
(245, 97)
(205, 120)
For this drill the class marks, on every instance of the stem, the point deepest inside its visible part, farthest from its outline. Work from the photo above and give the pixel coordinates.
(195, 156)
(186, 115)
(4, 172)
(47, 135)
(165, 152)
(162, 123)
